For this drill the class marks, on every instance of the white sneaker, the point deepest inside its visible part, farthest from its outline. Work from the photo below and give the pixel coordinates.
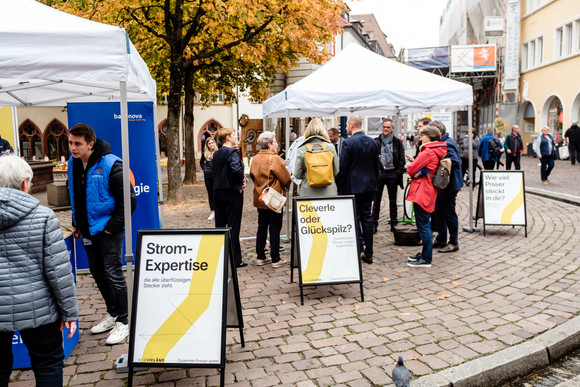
(106, 324)
(211, 216)
(118, 334)
(280, 263)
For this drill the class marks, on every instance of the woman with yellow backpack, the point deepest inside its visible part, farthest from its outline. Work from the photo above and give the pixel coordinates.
(316, 162)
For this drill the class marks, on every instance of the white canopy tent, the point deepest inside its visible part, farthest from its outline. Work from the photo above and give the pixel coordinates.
(359, 81)
(49, 58)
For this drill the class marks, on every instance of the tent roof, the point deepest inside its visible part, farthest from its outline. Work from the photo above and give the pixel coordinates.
(50, 57)
(359, 81)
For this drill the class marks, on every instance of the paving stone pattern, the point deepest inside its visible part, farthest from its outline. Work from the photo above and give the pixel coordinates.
(497, 291)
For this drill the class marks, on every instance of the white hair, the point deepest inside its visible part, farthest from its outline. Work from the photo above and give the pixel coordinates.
(13, 171)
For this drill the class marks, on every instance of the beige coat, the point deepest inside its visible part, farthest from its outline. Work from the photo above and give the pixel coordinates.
(268, 169)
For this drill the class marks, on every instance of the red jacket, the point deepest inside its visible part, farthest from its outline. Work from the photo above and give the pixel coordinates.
(421, 190)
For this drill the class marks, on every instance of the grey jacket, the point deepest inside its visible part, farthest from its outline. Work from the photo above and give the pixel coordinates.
(36, 282)
(300, 169)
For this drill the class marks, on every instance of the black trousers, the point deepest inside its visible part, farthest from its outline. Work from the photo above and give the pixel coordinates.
(106, 266)
(488, 165)
(209, 187)
(445, 218)
(44, 344)
(512, 158)
(228, 213)
(574, 150)
(547, 164)
(389, 179)
(268, 219)
(363, 203)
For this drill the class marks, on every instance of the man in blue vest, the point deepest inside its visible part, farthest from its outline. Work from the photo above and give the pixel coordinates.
(95, 178)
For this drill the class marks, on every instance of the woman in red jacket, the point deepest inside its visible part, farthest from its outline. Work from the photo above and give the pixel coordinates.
(422, 193)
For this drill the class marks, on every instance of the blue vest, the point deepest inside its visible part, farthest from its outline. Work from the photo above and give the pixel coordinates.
(545, 146)
(100, 202)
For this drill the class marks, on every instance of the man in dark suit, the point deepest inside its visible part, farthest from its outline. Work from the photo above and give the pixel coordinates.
(357, 176)
(336, 140)
(392, 158)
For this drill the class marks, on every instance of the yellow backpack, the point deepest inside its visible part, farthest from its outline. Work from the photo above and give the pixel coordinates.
(319, 171)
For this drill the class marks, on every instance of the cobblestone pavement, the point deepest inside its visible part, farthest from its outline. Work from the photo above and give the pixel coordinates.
(497, 291)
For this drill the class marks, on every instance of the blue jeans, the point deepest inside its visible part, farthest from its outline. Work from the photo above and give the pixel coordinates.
(106, 267)
(423, 219)
(44, 344)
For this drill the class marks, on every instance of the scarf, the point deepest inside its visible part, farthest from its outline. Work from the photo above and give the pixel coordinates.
(387, 152)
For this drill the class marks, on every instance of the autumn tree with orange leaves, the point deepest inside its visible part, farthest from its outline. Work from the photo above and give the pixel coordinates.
(212, 47)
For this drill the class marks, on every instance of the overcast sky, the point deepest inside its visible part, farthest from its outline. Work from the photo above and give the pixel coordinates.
(407, 23)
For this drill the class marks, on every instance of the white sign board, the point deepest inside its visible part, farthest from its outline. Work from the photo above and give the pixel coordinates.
(446, 119)
(473, 58)
(512, 46)
(327, 240)
(179, 316)
(503, 198)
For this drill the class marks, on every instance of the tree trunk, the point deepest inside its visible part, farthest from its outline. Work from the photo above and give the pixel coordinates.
(188, 132)
(174, 191)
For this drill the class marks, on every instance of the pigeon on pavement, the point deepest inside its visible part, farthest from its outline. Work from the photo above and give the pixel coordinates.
(401, 375)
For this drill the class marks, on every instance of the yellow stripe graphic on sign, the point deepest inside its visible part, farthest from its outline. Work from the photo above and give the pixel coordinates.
(319, 243)
(194, 305)
(513, 206)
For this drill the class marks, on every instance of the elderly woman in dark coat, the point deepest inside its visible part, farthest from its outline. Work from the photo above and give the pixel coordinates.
(37, 290)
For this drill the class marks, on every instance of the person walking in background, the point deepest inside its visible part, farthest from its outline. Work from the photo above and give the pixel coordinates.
(464, 151)
(545, 148)
(336, 140)
(268, 170)
(206, 163)
(5, 147)
(314, 136)
(37, 290)
(445, 216)
(483, 150)
(392, 159)
(95, 179)
(359, 171)
(572, 137)
(422, 193)
(228, 188)
(295, 142)
(514, 146)
(500, 138)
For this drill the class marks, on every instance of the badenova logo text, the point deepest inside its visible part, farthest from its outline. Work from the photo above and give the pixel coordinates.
(131, 117)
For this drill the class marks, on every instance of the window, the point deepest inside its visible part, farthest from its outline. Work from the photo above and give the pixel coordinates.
(558, 46)
(56, 141)
(532, 53)
(30, 141)
(567, 39)
(532, 5)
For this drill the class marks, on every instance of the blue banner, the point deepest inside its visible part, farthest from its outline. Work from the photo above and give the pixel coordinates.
(428, 58)
(105, 119)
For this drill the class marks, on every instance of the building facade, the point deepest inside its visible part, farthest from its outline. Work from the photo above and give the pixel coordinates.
(549, 64)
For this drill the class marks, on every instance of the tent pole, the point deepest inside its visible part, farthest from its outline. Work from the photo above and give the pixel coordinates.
(158, 158)
(470, 228)
(127, 191)
(286, 238)
(16, 138)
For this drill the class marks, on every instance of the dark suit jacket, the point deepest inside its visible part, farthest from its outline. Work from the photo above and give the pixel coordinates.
(398, 157)
(228, 170)
(359, 167)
